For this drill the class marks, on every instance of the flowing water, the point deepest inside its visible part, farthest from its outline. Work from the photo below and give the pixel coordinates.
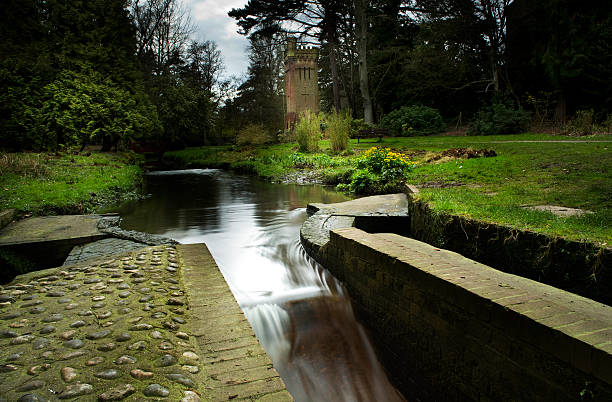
(299, 311)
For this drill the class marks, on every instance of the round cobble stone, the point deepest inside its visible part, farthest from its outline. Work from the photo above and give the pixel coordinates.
(14, 356)
(94, 361)
(68, 374)
(78, 324)
(141, 374)
(108, 374)
(40, 343)
(156, 390)
(123, 337)
(141, 327)
(98, 334)
(22, 339)
(117, 393)
(107, 347)
(181, 379)
(47, 329)
(38, 310)
(73, 391)
(166, 360)
(53, 318)
(74, 344)
(165, 345)
(140, 345)
(125, 359)
(190, 369)
(68, 335)
(30, 386)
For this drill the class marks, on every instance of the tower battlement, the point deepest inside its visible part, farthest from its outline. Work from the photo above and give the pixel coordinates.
(301, 81)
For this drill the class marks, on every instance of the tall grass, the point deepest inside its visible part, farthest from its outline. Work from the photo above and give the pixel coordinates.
(308, 131)
(24, 164)
(338, 129)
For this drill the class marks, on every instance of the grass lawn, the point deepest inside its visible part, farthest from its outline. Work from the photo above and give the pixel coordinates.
(41, 183)
(529, 170)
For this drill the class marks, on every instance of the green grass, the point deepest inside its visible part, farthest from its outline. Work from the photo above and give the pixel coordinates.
(42, 184)
(496, 190)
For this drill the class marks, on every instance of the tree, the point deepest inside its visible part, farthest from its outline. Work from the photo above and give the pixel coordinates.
(260, 97)
(162, 32)
(204, 65)
(319, 20)
(361, 22)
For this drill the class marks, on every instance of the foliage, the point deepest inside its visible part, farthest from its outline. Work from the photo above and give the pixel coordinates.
(581, 123)
(379, 170)
(500, 118)
(338, 128)
(76, 109)
(308, 131)
(253, 134)
(413, 120)
(358, 125)
(68, 183)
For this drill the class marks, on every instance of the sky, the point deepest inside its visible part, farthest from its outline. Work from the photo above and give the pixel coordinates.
(212, 23)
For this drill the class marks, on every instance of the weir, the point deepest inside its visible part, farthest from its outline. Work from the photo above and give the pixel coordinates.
(450, 328)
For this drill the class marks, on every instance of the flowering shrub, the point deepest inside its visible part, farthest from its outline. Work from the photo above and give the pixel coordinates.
(379, 170)
(384, 161)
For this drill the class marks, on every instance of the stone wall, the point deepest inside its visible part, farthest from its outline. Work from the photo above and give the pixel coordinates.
(579, 267)
(301, 81)
(449, 328)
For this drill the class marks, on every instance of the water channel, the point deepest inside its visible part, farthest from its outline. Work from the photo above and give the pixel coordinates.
(299, 311)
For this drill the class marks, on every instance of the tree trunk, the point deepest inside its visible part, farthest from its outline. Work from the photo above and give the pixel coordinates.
(361, 20)
(331, 41)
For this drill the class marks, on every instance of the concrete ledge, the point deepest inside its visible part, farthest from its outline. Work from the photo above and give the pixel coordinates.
(466, 331)
(234, 363)
(6, 217)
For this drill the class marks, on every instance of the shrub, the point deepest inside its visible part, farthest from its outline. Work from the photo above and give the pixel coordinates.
(358, 125)
(413, 120)
(308, 131)
(338, 128)
(581, 124)
(253, 134)
(379, 170)
(500, 118)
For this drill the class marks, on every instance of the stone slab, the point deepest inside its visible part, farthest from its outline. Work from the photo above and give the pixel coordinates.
(45, 229)
(6, 217)
(101, 248)
(234, 364)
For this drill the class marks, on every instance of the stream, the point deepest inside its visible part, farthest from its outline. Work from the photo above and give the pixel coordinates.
(299, 311)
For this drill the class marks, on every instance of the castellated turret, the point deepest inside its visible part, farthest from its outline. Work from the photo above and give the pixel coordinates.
(301, 81)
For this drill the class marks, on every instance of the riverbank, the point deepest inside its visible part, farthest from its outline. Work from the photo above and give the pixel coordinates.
(66, 183)
(529, 174)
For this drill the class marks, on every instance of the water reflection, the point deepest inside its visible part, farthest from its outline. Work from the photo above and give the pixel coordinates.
(298, 310)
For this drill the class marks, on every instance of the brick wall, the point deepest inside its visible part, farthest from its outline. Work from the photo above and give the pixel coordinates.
(449, 328)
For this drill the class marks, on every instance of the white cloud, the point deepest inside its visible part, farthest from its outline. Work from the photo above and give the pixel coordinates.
(212, 23)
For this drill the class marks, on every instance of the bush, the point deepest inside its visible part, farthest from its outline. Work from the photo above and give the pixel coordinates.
(76, 108)
(253, 134)
(308, 131)
(581, 124)
(413, 120)
(338, 128)
(500, 118)
(379, 170)
(357, 125)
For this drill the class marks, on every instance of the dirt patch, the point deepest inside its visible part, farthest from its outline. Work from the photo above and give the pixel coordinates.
(463, 153)
(559, 211)
(438, 184)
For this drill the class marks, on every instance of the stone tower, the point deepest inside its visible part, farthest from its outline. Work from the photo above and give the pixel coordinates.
(301, 81)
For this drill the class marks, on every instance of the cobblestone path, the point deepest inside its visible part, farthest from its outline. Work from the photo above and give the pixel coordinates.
(108, 329)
